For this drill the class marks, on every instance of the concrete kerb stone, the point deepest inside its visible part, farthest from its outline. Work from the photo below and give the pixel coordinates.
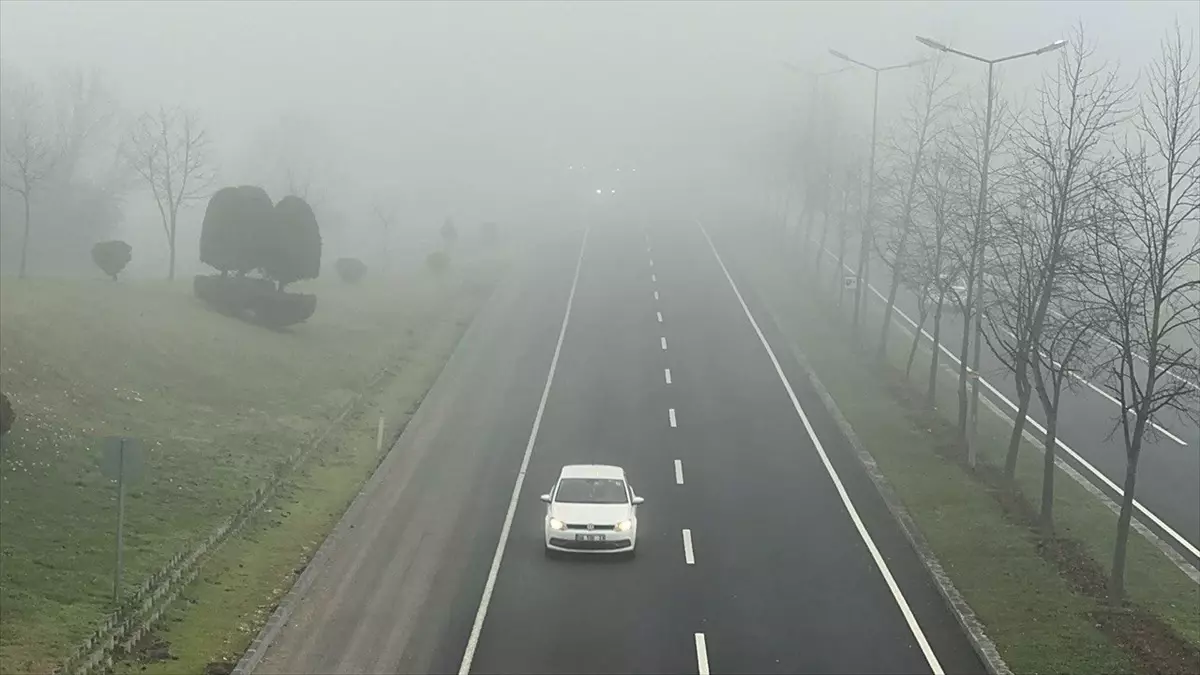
(973, 628)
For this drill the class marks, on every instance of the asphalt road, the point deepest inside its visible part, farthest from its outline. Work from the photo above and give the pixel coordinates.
(1169, 469)
(659, 370)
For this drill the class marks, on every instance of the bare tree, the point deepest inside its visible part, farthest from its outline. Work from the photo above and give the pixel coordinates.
(30, 151)
(386, 217)
(169, 150)
(1142, 267)
(1061, 161)
(921, 125)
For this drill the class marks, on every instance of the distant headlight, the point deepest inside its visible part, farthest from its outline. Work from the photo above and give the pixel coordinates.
(556, 524)
(624, 526)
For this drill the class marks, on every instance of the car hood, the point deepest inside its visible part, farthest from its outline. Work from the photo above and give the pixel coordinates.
(596, 514)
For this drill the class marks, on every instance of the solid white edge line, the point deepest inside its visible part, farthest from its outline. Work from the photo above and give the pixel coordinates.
(1150, 515)
(489, 586)
(678, 472)
(880, 563)
(688, 556)
(667, 374)
(701, 655)
(663, 340)
(671, 414)
(659, 316)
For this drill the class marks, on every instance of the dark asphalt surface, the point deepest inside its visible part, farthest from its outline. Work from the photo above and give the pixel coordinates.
(782, 581)
(1168, 472)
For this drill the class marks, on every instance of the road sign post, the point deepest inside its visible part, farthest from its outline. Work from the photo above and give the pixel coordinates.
(122, 462)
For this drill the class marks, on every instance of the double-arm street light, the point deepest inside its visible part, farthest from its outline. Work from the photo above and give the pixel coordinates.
(981, 217)
(862, 276)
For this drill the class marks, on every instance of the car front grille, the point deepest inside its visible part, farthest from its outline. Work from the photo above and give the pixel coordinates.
(584, 526)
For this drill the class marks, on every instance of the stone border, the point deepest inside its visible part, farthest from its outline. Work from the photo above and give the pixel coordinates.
(971, 625)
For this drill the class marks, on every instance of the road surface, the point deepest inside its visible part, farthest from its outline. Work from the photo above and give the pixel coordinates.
(751, 558)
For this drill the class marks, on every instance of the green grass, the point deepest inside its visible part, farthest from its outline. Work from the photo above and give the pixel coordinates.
(1040, 622)
(216, 402)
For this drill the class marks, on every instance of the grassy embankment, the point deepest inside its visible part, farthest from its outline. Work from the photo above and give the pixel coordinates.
(217, 404)
(1040, 604)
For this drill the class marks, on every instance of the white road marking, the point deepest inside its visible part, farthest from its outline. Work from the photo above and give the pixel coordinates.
(490, 585)
(664, 342)
(880, 563)
(671, 414)
(1193, 385)
(652, 262)
(654, 278)
(688, 556)
(678, 472)
(659, 316)
(1150, 515)
(667, 372)
(701, 655)
(655, 295)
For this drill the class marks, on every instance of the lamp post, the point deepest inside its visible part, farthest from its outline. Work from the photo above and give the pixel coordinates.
(862, 275)
(981, 216)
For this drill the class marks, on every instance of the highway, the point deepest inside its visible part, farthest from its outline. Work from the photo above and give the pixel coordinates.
(1168, 486)
(763, 545)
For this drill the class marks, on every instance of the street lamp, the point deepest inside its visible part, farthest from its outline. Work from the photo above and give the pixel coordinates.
(862, 275)
(981, 211)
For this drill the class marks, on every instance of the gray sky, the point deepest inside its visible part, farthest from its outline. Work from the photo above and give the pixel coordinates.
(470, 108)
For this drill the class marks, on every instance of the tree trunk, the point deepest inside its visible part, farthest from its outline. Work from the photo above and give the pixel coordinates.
(1116, 581)
(912, 350)
(171, 246)
(897, 275)
(931, 391)
(1024, 397)
(25, 238)
(821, 243)
(963, 358)
(1047, 515)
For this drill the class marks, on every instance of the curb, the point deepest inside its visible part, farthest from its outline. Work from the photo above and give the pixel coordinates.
(987, 651)
(266, 636)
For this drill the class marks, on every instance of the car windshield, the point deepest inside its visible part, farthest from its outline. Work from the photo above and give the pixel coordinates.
(591, 491)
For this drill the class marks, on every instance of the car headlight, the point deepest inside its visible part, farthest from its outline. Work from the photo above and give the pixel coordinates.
(556, 524)
(624, 526)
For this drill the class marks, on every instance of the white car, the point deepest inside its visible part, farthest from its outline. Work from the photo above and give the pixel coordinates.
(591, 509)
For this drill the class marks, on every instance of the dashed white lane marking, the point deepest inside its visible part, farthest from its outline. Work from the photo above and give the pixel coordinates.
(880, 563)
(659, 316)
(701, 655)
(671, 414)
(654, 278)
(490, 585)
(655, 295)
(652, 262)
(688, 556)
(667, 373)
(664, 342)
(678, 472)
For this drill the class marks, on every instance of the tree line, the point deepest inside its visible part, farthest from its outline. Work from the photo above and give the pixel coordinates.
(1064, 233)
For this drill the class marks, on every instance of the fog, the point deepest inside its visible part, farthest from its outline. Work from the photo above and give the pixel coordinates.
(474, 110)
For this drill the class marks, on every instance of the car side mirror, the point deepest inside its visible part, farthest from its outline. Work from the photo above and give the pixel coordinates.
(546, 498)
(638, 500)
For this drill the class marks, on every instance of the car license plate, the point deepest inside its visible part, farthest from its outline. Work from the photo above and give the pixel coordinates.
(589, 537)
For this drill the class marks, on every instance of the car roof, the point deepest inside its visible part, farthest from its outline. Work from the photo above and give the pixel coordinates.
(592, 471)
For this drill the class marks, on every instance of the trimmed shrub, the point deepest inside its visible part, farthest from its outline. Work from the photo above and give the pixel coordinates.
(294, 245)
(350, 270)
(236, 229)
(277, 309)
(112, 257)
(7, 415)
(438, 262)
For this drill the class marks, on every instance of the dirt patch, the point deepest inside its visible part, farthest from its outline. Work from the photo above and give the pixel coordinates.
(151, 649)
(219, 668)
(1154, 645)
